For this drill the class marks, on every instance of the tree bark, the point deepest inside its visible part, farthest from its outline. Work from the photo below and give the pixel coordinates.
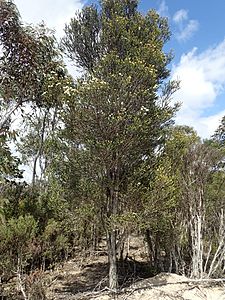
(112, 233)
(39, 151)
(113, 276)
(150, 247)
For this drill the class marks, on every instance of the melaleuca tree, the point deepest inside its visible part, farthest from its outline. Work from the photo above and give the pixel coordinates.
(36, 143)
(214, 234)
(160, 190)
(120, 105)
(194, 200)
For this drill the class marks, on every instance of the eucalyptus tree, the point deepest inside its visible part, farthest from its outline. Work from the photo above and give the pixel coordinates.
(29, 58)
(33, 78)
(120, 106)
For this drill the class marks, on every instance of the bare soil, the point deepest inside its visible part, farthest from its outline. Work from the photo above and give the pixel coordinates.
(82, 285)
(86, 278)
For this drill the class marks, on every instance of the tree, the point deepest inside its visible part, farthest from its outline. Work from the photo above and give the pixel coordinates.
(219, 135)
(198, 164)
(33, 77)
(29, 60)
(161, 209)
(197, 177)
(120, 105)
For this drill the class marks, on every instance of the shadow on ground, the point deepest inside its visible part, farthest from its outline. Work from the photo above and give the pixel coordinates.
(94, 277)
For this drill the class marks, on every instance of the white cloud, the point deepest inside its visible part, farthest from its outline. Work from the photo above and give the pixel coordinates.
(202, 81)
(188, 30)
(185, 27)
(208, 125)
(55, 13)
(180, 16)
(163, 9)
(205, 126)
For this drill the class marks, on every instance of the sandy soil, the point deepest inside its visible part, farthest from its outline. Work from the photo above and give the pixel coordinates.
(87, 280)
(169, 287)
(164, 286)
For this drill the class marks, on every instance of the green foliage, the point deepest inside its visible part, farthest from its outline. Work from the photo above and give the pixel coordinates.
(116, 112)
(219, 135)
(29, 55)
(55, 242)
(8, 163)
(16, 237)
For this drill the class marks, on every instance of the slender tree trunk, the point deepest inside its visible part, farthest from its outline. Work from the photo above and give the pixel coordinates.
(41, 143)
(112, 235)
(197, 214)
(218, 257)
(197, 248)
(113, 277)
(150, 247)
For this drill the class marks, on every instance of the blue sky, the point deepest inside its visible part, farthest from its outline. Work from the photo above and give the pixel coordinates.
(198, 42)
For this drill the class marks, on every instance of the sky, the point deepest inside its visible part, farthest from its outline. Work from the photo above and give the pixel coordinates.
(197, 41)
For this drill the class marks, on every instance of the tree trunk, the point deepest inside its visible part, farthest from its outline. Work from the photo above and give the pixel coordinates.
(197, 214)
(112, 194)
(40, 148)
(150, 247)
(113, 277)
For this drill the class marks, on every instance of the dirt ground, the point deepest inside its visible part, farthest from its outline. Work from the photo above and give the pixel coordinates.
(87, 280)
(163, 286)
